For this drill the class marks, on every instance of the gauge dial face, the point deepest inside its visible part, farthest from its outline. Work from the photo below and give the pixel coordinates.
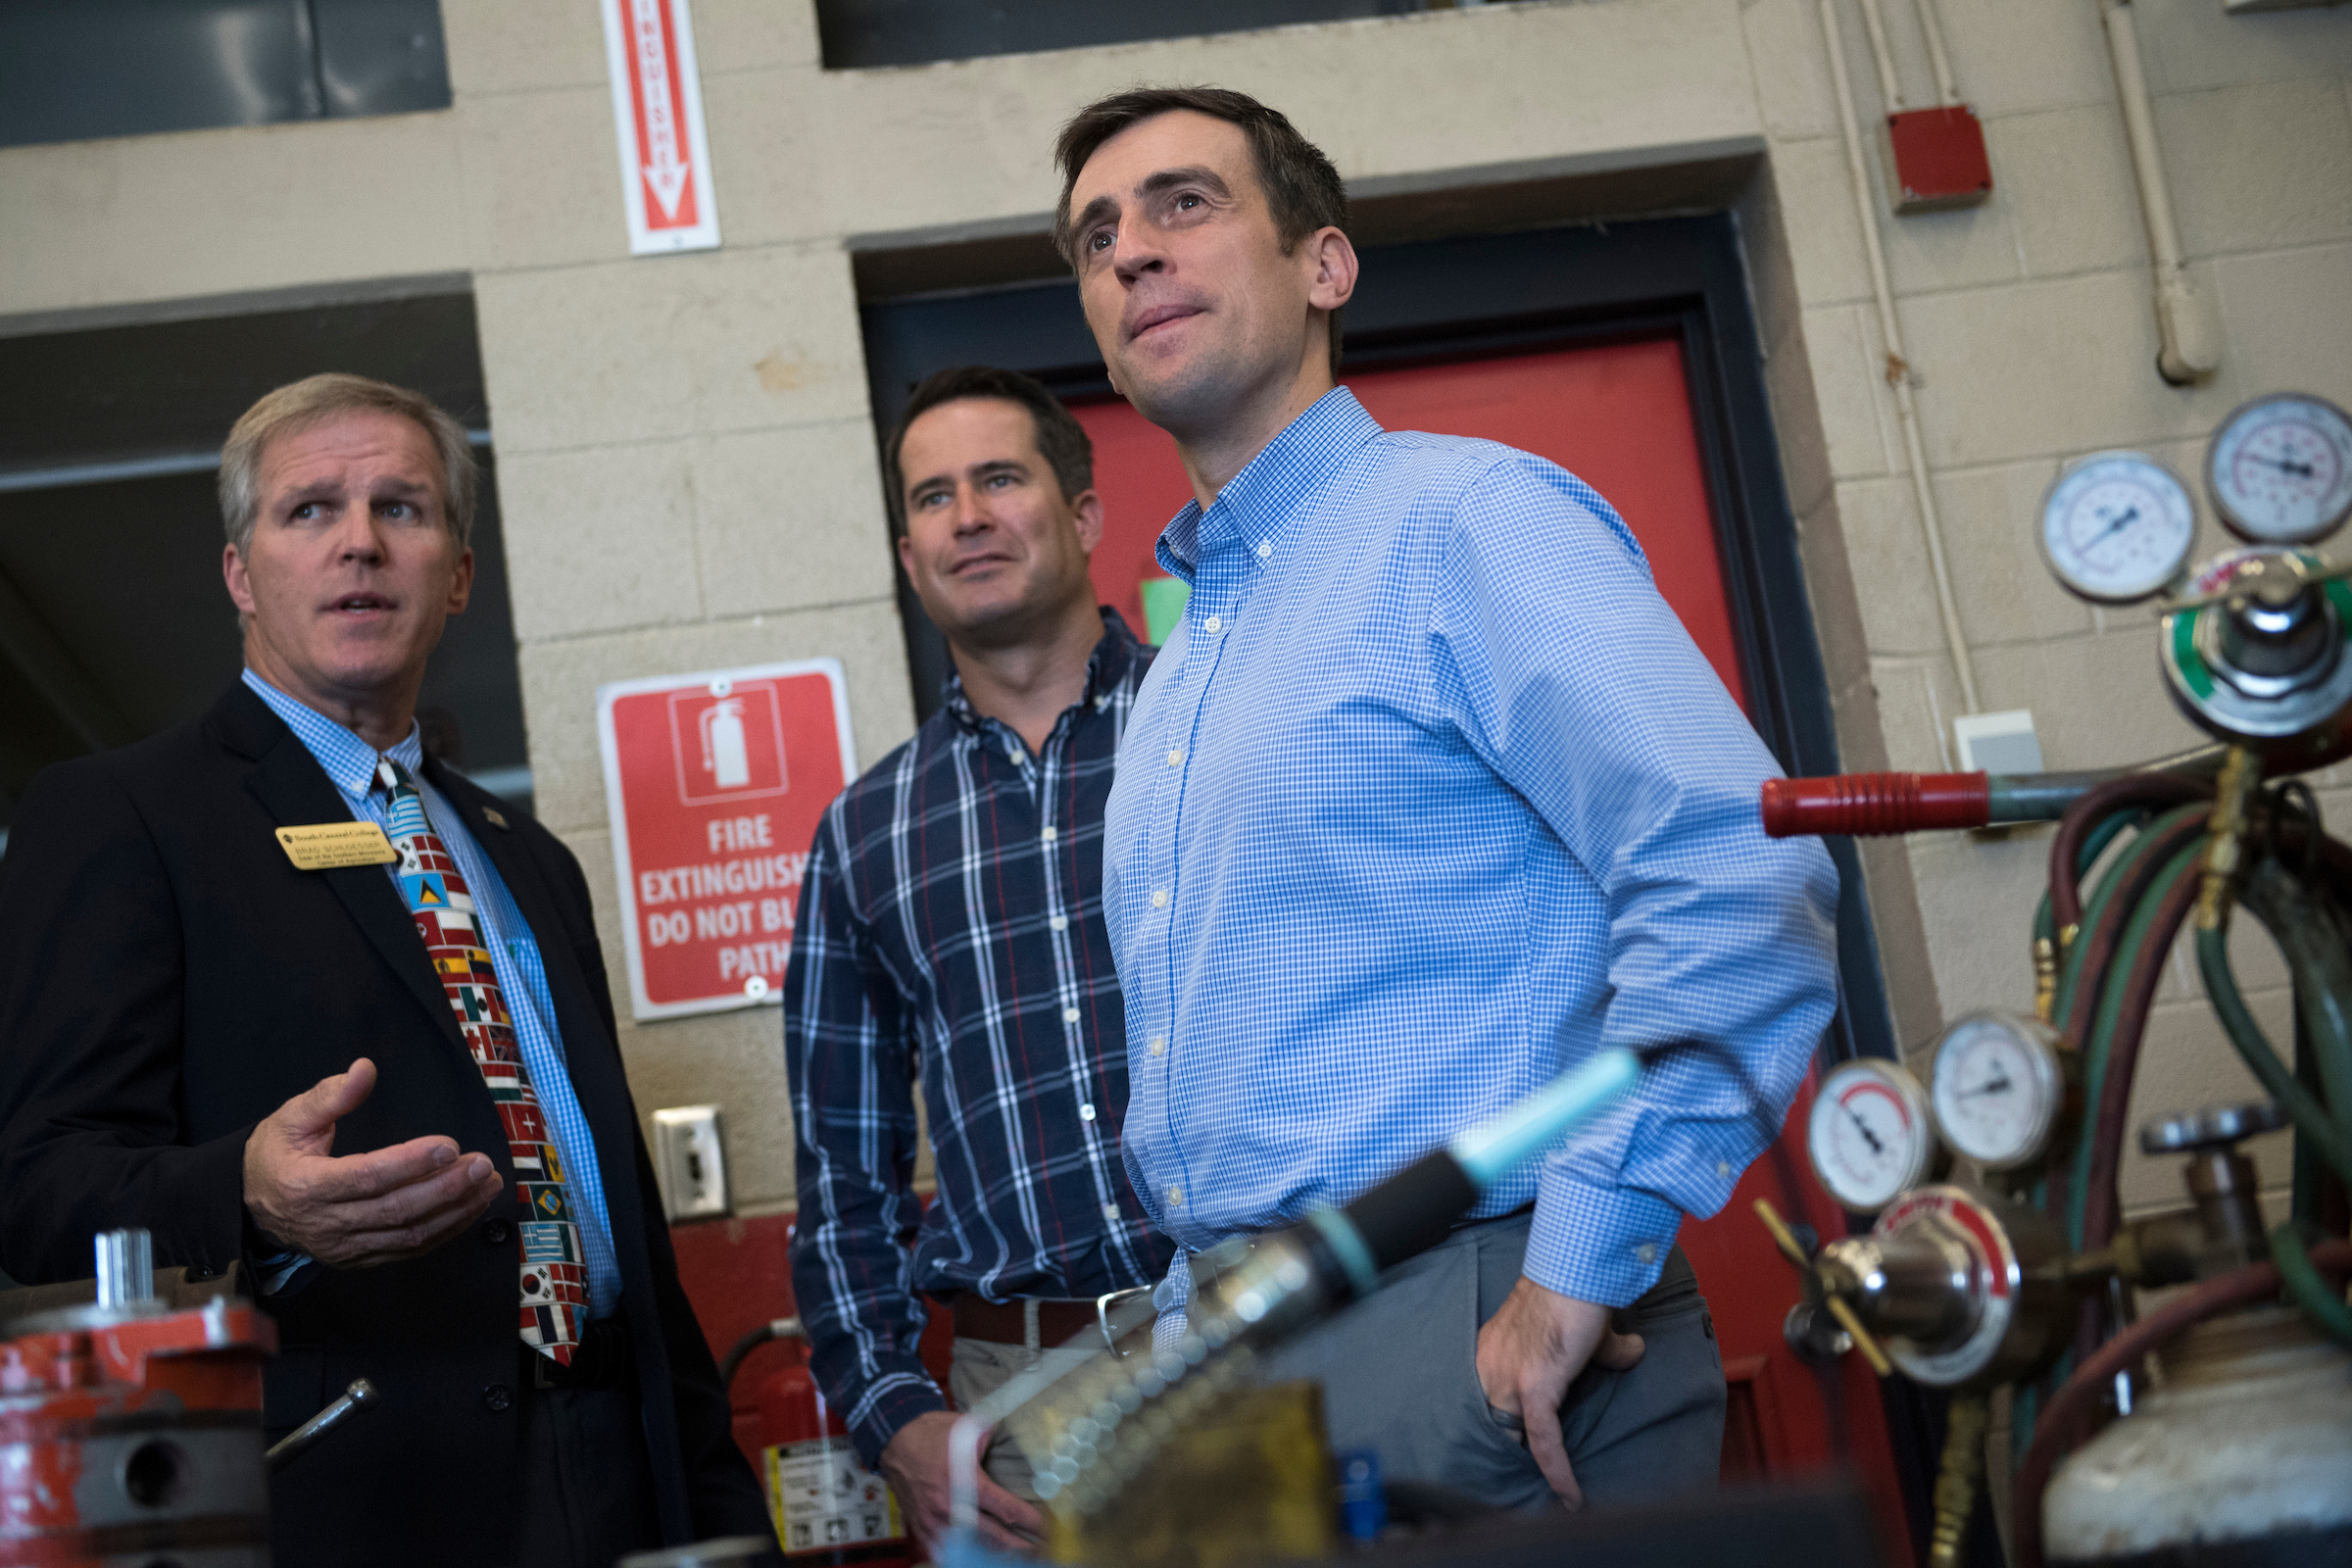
(2280, 470)
(1999, 1087)
(2116, 527)
(1870, 1133)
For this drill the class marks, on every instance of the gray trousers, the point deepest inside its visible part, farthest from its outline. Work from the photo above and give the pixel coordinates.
(980, 1368)
(1399, 1376)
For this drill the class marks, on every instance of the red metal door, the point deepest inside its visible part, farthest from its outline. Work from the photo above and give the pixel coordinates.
(1619, 416)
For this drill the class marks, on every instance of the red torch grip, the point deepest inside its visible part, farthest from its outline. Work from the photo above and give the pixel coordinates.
(1869, 804)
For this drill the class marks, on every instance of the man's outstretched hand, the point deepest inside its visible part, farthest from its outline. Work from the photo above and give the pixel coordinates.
(1528, 1353)
(360, 1209)
(915, 1464)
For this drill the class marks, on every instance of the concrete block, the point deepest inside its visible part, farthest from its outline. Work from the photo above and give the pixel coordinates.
(541, 180)
(734, 1061)
(731, 35)
(1794, 87)
(1903, 957)
(1796, 418)
(1848, 358)
(2043, 367)
(1977, 894)
(2288, 326)
(1991, 521)
(1894, 583)
(669, 346)
(559, 681)
(524, 45)
(791, 518)
(1825, 240)
(136, 218)
(2187, 45)
(2098, 700)
(2260, 165)
(599, 539)
(2066, 174)
(1916, 700)
(772, 151)
(2018, 56)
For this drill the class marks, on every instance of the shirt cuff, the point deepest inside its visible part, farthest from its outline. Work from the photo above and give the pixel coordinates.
(1603, 1245)
(893, 1399)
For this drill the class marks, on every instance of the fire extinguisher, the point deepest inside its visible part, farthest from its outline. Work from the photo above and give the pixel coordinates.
(827, 1506)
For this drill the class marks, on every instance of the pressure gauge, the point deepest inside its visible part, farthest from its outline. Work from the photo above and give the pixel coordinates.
(1871, 1135)
(1999, 1085)
(2280, 470)
(2116, 527)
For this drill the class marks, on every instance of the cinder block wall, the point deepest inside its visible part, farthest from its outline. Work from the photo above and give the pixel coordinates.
(688, 471)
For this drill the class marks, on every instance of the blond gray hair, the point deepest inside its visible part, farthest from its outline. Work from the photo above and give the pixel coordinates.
(313, 399)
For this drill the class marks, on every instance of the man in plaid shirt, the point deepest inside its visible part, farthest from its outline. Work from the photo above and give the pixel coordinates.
(950, 931)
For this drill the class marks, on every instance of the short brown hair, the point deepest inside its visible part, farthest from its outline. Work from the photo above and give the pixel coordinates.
(1303, 189)
(1061, 439)
(313, 399)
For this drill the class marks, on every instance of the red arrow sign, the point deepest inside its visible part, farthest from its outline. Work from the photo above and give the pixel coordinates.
(657, 112)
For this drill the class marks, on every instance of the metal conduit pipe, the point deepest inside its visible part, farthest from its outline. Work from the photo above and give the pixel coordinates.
(1948, 86)
(1898, 370)
(1890, 88)
(2188, 323)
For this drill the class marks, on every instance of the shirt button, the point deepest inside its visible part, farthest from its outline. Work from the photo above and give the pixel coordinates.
(1723, 1168)
(497, 1232)
(1159, 1045)
(1646, 1253)
(1213, 624)
(1086, 1113)
(1049, 835)
(497, 1397)
(1060, 922)
(1265, 550)
(1159, 898)
(1069, 1015)
(1175, 758)
(1111, 1211)
(1175, 1195)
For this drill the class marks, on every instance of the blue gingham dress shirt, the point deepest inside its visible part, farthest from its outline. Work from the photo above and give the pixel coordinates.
(350, 764)
(950, 930)
(1430, 796)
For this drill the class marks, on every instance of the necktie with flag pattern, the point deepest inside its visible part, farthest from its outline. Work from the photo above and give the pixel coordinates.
(555, 1271)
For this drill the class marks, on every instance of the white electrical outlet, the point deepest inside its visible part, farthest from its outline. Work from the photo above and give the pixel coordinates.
(691, 1161)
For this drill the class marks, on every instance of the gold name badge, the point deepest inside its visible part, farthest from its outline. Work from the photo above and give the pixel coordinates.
(325, 845)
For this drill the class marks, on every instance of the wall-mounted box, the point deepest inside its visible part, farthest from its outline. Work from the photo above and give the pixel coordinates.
(1934, 159)
(689, 1160)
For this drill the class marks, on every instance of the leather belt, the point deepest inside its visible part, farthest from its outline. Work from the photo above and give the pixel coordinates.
(603, 1359)
(1007, 1322)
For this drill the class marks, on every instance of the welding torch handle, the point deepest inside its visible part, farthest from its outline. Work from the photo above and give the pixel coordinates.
(360, 1395)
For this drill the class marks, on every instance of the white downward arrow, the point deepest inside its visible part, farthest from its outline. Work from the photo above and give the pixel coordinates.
(665, 171)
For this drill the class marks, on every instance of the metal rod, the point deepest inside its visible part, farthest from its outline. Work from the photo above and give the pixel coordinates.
(1890, 88)
(360, 1395)
(1947, 86)
(1501, 1144)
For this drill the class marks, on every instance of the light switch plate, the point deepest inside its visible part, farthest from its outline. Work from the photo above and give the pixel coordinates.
(690, 1157)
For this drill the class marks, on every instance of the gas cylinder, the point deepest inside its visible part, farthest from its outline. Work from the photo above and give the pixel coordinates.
(2243, 1460)
(827, 1506)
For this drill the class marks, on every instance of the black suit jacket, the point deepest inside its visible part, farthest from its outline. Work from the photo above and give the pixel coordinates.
(168, 979)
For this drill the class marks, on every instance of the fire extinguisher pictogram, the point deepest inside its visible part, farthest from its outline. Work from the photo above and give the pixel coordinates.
(827, 1507)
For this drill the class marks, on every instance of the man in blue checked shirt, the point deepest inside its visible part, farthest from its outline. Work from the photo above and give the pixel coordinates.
(1428, 797)
(950, 930)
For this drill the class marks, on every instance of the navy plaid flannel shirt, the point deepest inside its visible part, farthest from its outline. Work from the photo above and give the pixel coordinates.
(950, 930)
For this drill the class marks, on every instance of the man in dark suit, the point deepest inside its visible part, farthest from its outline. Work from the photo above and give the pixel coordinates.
(390, 1088)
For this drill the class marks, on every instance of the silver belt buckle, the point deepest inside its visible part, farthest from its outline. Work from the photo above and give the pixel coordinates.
(1105, 1301)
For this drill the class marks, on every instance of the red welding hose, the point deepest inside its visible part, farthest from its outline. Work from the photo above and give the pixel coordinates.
(2101, 1203)
(1868, 804)
(2066, 846)
(2155, 848)
(2094, 1376)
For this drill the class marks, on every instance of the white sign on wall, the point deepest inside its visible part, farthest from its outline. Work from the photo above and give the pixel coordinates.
(657, 116)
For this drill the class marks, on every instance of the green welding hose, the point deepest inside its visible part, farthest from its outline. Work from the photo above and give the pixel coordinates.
(2310, 1118)
(2100, 1047)
(2104, 893)
(2321, 1301)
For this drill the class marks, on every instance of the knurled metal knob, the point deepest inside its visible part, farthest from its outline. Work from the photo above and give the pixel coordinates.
(2214, 1127)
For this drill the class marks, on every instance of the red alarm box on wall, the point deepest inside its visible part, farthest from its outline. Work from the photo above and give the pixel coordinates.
(1934, 159)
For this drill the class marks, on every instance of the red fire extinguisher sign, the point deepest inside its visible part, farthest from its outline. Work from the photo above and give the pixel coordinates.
(715, 783)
